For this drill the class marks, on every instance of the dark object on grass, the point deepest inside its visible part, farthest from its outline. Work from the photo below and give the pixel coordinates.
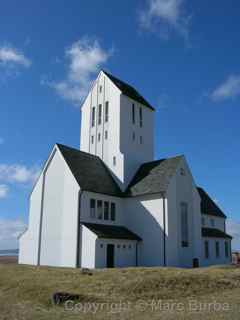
(61, 297)
(86, 271)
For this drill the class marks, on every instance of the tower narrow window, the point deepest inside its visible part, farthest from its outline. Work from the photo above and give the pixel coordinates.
(100, 89)
(92, 139)
(114, 161)
(133, 113)
(206, 249)
(106, 111)
(99, 114)
(106, 134)
(99, 136)
(93, 116)
(93, 208)
(140, 117)
(99, 209)
(113, 211)
(184, 224)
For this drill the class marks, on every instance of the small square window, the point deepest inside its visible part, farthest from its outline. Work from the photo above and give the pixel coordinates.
(101, 245)
(118, 246)
(182, 172)
(124, 246)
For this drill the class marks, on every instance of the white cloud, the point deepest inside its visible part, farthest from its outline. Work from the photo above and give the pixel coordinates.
(9, 232)
(229, 89)
(233, 228)
(3, 191)
(18, 173)
(10, 56)
(1, 140)
(164, 16)
(84, 59)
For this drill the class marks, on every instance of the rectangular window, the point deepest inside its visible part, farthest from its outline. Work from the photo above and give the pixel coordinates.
(106, 210)
(226, 249)
(140, 117)
(100, 89)
(106, 135)
(93, 208)
(206, 249)
(99, 136)
(99, 114)
(92, 139)
(114, 161)
(133, 113)
(106, 111)
(113, 211)
(99, 209)
(184, 224)
(93, 116)
(217, 249)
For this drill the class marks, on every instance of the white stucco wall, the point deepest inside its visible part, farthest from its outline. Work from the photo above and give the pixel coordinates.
(28, 242)
(88, 248)
(60, 215)
(129, 154)
(182, 189)
(144, 216)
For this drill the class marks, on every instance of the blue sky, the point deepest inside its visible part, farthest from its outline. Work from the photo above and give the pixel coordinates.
(182, 55)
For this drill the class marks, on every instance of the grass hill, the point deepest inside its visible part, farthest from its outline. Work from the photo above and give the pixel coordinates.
(132, 293)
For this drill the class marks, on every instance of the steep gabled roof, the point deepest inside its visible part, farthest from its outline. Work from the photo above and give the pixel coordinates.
(89, 171)
(214, 233)
(128, 90)
(111, 232)
(208, 206)
(153, 177)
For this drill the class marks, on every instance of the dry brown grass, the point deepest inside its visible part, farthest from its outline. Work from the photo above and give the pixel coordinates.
(25, 292)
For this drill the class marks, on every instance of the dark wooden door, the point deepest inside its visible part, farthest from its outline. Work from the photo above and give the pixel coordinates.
(110, 256)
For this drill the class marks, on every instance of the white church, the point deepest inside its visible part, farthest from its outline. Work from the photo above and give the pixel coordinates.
(110, 204)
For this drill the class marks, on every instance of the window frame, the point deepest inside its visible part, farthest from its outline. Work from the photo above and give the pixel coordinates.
(106, 212)
(206, 249)
(140, 117)
(184, 225)
(92, 208)
(99, 209)
(113, 211)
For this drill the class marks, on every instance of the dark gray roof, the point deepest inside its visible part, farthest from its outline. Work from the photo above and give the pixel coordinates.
(128, 90)
(153, 177)
(208, 206)
(214, 233)
(89, 171)
(111, 232)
